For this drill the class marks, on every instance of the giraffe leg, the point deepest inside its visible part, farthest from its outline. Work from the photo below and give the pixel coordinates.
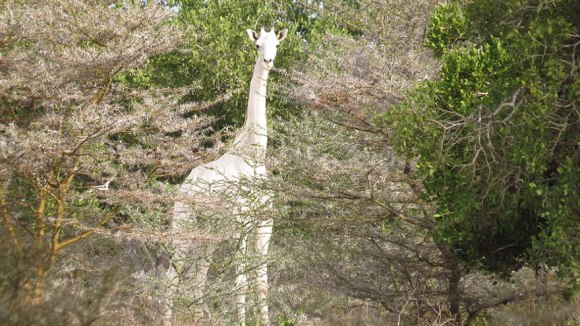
(263, 235)
(166, 302)
(178, 248)
(176, 275)
(241, 278)
(202, 254)
(189, 265)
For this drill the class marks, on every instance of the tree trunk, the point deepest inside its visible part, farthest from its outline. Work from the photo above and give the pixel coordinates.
(40, 279)
(454, 278)
(454, 294)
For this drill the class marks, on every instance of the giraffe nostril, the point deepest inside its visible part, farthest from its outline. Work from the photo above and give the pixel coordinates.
(268, 60)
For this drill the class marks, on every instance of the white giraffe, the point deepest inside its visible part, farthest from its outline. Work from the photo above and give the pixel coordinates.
(245, 161)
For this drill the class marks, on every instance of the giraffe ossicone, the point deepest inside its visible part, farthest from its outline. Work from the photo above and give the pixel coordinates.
(223, 181)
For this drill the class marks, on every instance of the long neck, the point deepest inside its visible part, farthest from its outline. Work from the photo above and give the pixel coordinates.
(254, 132)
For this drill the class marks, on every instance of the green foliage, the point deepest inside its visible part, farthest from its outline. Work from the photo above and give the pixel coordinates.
(219, 58)
(446, 27)
(496, 133)
(285, 320)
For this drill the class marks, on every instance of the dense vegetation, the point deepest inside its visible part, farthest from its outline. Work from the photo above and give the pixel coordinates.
(503, 162)
(423, 156)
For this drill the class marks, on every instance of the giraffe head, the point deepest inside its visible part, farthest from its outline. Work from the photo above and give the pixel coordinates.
(267, 44)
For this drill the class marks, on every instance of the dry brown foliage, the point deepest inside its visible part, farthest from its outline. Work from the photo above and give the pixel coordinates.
(81, 154)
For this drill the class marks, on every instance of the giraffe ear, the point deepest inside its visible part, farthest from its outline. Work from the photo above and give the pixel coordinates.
(282, 34)
(252, 34)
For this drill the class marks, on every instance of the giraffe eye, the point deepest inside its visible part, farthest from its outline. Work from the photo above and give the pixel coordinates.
(257, 46)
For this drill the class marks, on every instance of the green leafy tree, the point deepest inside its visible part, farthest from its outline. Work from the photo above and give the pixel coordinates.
(496, 135)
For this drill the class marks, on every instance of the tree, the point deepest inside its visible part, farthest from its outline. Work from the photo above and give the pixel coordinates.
(80, 153)
(356, 227)
(364, 227)
(502, 160)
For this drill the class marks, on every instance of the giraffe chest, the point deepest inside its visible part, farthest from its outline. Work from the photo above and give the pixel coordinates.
(227, 172)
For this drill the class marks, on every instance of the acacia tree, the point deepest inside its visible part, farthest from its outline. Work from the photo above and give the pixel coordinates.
(362, 222)
(78, 149)
(356, 226)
